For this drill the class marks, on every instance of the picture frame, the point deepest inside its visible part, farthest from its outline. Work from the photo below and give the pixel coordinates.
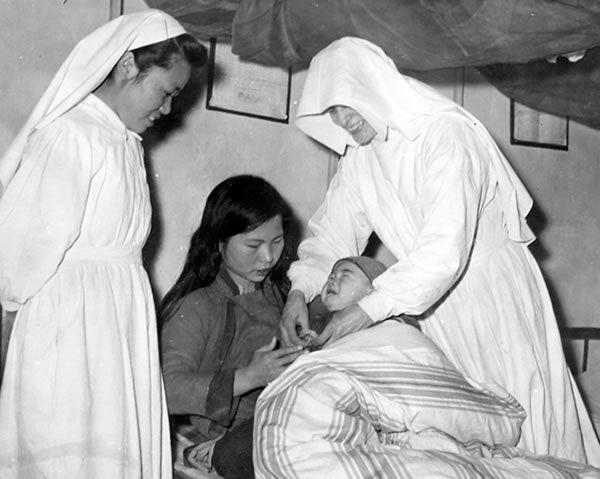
(245, 88)
(530, 127)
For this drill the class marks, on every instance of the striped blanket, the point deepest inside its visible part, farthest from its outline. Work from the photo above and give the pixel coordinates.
(386, 403)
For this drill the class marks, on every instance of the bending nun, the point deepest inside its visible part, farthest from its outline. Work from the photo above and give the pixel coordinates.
(428, 179)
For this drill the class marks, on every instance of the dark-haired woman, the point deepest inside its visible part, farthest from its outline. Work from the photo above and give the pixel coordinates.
(82, 395)
(221, 321)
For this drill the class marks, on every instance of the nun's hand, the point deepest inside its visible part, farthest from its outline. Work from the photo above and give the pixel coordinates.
(342, 323)
(294, 318)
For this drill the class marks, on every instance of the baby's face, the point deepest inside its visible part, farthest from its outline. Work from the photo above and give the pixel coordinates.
(346, 285)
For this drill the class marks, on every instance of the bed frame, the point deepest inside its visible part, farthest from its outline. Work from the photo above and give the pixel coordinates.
(571, 337)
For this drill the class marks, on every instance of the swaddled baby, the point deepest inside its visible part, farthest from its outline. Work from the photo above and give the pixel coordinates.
(351, 279)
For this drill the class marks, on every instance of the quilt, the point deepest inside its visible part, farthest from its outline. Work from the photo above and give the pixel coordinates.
(386, 403)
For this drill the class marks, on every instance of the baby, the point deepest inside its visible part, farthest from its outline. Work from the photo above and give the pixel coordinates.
(350, 280)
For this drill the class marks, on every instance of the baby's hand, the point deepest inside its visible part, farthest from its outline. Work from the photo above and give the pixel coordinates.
(307, 336)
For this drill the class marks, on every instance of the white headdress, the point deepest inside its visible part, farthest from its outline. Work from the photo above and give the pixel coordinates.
(88, 64)
(356, 73)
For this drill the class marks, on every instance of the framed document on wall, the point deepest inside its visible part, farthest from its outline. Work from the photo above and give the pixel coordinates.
(531, 127)
(245, 88)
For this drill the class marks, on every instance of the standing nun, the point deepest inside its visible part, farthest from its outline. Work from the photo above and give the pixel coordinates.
(427, 178)
(82, 395)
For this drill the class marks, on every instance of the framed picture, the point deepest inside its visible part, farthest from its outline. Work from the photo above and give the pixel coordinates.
(246, 88)
(531, 127)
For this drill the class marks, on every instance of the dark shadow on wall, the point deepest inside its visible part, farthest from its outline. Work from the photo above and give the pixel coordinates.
(296, 234)
(538, 221)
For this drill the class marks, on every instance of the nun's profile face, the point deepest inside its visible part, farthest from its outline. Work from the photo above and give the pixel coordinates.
(352, 121)
(149, 97)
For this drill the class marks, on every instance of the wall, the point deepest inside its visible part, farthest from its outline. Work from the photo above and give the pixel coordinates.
(35, 37)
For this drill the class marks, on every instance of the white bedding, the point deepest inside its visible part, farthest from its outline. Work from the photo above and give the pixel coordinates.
(385, 402)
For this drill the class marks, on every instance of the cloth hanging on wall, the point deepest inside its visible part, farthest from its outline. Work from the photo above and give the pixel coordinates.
(567, 88)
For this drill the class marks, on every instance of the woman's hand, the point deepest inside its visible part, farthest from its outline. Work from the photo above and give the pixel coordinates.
(294, 318)
(267, 363)
(346, 321)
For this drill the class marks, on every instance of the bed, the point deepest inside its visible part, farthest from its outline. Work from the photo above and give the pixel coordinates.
(452, 459)
(327, 416)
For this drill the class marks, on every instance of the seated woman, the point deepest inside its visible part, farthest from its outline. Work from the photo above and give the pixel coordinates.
(220, 322)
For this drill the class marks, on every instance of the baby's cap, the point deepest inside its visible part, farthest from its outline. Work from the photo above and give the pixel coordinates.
(370, 266)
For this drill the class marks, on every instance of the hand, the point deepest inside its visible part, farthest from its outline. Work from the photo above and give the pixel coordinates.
(346, 321)
(295, 317)
(266, 364)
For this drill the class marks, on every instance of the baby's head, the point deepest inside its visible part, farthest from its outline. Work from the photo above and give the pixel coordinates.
(350, 280)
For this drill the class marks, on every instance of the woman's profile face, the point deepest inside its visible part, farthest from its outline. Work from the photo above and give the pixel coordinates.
(352, 121)
(249, 257)
(149, 97)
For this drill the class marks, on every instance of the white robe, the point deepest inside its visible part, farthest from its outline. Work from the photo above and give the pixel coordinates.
(82, 394)
(433, 202)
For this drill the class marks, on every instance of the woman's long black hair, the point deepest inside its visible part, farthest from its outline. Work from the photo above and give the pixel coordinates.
(237, 205)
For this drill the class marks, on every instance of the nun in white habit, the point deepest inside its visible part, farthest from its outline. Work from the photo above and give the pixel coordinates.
(82, 394)
(427, 178)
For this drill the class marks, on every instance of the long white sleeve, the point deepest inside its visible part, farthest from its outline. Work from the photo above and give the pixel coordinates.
(450, 179)
(42, 210)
